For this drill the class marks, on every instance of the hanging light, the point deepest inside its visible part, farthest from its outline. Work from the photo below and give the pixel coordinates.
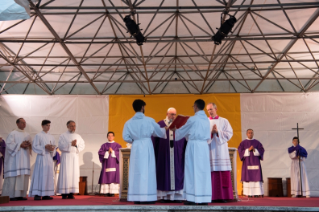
(134, 30)
(224, 29)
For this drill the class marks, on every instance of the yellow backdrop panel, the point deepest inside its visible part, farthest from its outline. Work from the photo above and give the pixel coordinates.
(228, 106)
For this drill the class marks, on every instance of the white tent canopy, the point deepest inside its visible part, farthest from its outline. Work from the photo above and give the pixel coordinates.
(82, 47)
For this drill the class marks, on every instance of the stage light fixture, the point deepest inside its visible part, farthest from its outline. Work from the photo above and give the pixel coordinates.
(134, 30)
(224, 29)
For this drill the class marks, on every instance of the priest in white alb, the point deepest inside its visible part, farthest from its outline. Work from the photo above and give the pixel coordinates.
(197, 182)
(17, 163)
(221, 133)
(298, 155)
(42, 183)
(70, 144)
(142, 178)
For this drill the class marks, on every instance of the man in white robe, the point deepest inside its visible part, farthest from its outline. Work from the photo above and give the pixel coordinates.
(42, 183)
(70, 144)
(142, 174)
(17, 163)
(197, 181)
(221, 133)
(296, 153)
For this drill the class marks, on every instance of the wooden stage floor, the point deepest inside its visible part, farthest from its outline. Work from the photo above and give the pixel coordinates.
(100, 203)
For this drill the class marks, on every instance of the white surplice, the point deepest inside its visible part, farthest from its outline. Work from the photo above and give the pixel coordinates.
(42, 183)
(69, 175)
(295, 176)
(197, 181)
(142, 173)
(16, 165)
(218, 148)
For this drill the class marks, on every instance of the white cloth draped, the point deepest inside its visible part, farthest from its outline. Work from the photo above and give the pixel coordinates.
(142, 173)
(17, 160)
(218, 148)
(197, 181)
(295, 176)
(42, 183)
(69, 175)
(253, 188)
(112, 188)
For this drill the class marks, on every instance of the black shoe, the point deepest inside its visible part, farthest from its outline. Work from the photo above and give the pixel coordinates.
(178, 201)
(36, 197)
(189, 203)
(202, 203)
(47, 198)
(147, 203)
(21, 198)
(70, 196)
(165, 201)
(13, 199)
(137, 202)
(64, 196)
(223, 201)
(111, 195)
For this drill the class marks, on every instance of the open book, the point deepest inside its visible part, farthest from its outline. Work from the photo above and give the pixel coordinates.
(179, 121)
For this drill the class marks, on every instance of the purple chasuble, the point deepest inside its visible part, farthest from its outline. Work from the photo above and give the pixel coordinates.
(57, 158)
(2, 150)
(249, 171)
(110, 172)
(300, 151)
(163, 162)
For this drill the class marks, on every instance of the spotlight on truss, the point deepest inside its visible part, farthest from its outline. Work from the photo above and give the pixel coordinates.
(224, 29)
(134, 30)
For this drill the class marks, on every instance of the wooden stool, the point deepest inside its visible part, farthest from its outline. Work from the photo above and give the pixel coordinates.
(83, 185)
(275, 187)
(288, 187)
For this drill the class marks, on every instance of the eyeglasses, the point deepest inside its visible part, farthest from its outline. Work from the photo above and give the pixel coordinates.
(172, 114)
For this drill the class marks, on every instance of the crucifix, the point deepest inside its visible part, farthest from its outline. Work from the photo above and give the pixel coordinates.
(299, 157)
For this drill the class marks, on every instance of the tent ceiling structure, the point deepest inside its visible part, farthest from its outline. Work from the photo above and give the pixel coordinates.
(82, 47)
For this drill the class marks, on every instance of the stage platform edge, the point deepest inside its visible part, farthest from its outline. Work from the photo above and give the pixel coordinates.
(119, 208)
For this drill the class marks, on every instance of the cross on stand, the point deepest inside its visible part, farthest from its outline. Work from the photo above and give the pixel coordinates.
(299, 157)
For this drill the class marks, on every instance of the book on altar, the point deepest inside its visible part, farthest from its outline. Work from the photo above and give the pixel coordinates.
(179, 121)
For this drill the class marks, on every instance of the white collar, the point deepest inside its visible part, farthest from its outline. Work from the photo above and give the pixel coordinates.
(250, 139)
(19, 130)
(110, 142)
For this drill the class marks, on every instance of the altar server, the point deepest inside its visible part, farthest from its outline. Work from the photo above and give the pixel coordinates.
(110, 172)
(2, 154)
(251, 152)
(42, 183)
(17, 163)
(197, 181)
(221, 133)
(142, 178)
(70, 144)
(297, 152)
(170, 159)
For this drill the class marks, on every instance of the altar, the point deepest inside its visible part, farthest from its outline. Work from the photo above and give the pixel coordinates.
(124, 171)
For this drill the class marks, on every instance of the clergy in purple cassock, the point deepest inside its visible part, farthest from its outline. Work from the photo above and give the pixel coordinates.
(221, 133)
(170, 159)
(2, 154)
(110, 172)
(251, 151)
(296, 153)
